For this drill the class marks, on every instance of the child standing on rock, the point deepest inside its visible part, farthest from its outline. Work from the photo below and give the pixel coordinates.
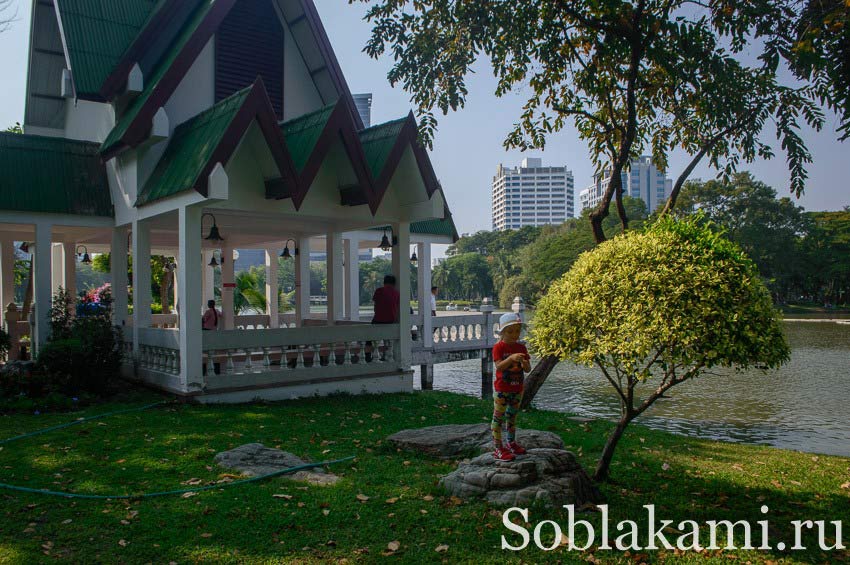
(512, 362)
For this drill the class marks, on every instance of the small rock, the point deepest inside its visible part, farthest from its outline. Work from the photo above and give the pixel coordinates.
(255, 459)
(550, 476)
(453, 440)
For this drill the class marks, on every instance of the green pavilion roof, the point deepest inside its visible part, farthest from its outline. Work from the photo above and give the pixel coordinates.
(377, 143)
(302, 134)
(97, 33)
(189, 150)
(52, 175)
(151, 83)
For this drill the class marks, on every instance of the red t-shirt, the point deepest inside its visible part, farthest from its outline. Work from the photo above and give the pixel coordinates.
(386, 299)
(510, 380)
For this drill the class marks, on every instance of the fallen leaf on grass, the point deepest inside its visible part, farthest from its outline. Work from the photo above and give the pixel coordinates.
(188, 494)
(206, 535)
(393, 545)
(326, 512)
(285, 496)
(846, 485)
(362, 497)
(123, 543)
(441, 548)
(392, 500)
(428, 498)
(193, 481)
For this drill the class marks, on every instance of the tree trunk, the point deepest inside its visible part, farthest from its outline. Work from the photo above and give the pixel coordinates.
(25, 310)
(601, 473)
(536, 378)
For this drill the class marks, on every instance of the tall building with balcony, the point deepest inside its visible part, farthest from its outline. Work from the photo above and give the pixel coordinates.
(532, 195)
(643, 180)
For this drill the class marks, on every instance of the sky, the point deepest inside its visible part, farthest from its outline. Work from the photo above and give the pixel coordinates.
(468, 144)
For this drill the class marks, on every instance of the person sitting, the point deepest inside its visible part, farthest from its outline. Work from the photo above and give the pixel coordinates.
(211, 317)
(386, 300)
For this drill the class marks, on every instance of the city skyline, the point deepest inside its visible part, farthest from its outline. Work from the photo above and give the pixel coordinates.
(466, 174)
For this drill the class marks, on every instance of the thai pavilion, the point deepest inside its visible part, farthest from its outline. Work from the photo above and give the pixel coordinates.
(148, 123)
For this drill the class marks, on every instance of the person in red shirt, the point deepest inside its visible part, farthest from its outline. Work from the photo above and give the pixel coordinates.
(512, 361)
(386, 299)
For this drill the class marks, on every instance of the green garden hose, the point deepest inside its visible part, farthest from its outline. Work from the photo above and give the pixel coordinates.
(149, 494)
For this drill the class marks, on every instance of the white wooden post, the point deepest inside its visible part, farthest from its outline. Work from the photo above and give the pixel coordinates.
(189, 273)
(333, 242)
(352, 279)
(302, 281)
(227, 278)
(209, 279)
(118, 272)
(69, 270)
(423, 252)
(57, 277)
(42, 273)
(272, 292)
(7, 275)
(142, 279)
(401, 270)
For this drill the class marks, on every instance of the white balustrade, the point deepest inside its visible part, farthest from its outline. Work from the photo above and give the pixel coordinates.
(159, 351)
(310, 352)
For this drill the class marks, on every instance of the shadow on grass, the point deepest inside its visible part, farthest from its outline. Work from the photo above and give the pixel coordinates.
(160, 448)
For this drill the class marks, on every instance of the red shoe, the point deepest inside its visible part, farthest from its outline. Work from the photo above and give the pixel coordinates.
(501, 454)
(516, 448)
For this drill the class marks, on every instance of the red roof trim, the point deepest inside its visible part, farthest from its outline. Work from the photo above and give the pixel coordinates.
(116, 80)
(257, 106)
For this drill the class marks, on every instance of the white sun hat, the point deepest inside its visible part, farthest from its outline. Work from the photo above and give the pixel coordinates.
(509, 319)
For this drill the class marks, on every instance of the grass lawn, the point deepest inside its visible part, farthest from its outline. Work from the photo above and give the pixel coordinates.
(164, 448)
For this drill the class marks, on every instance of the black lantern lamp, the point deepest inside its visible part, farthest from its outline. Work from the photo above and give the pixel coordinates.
(214, 236)
(286, 254)
(86, 259)
(385, 242)
(213, 263)
(414, 258)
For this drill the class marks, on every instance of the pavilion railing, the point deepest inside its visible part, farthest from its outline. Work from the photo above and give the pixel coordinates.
(236, 358)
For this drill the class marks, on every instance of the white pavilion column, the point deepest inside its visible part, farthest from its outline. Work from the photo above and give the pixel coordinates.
(272, 292)
(208, 278)
(352, 279)
(57, 277)
(302, 281)
(118, 272)
(423, 252)
(227, 278)
(142, 279)
(189, 273)
(69, 270)
(42, 273)
(7, 276)
(333, 242)
(401, 270)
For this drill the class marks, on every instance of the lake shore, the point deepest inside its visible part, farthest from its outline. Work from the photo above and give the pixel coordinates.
(165, 448)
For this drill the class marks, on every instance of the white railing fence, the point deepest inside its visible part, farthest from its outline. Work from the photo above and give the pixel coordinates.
(273, 355)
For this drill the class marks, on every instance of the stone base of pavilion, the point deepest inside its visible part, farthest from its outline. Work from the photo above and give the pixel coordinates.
(269, 387)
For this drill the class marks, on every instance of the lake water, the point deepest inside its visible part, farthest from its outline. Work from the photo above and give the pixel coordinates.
(805, 405)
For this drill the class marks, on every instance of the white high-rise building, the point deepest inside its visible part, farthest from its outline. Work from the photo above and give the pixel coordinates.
(363, 103)
(532, 195)
(643, 180)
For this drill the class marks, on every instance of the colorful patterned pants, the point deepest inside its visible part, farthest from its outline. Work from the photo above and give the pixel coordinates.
(505, 403)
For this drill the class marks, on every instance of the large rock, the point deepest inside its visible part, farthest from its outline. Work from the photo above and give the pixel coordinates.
(552, 477)
(455, 440)
(255, 459)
